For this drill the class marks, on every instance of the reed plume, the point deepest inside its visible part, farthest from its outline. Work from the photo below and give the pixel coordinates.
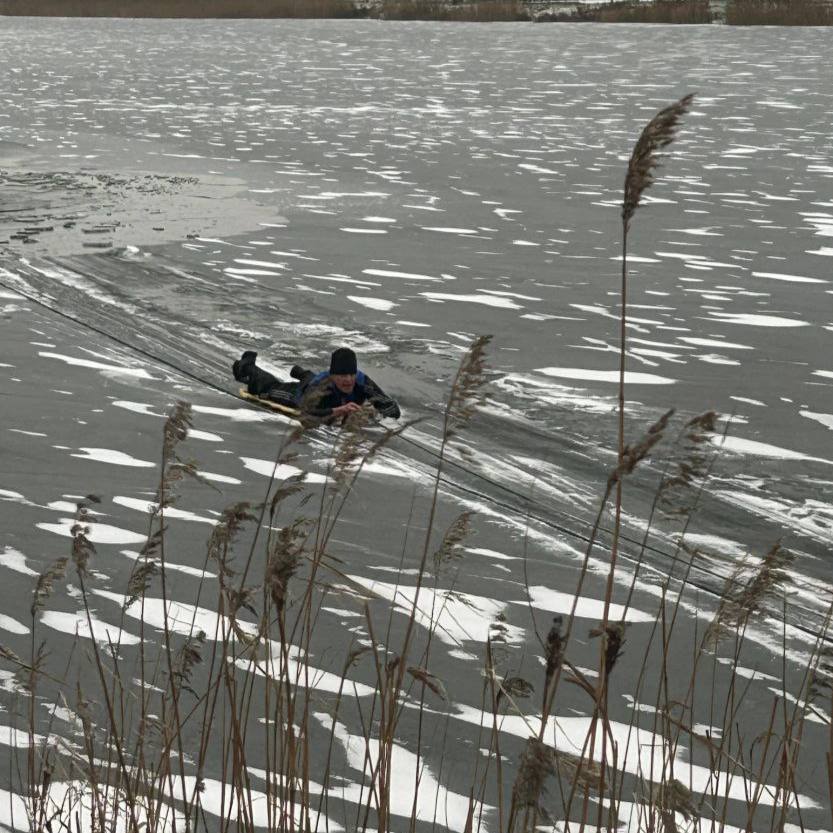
(645, 158)
(351, 448)
(284, 556)
(678, 492)
(536, 766)
(455, 535)
(516, 688)
(232, 520)
(613, 638)
(174, 468)
(672, 797)
(580, 771)
(468, 390)
(46, 580)
(140, 578)
(553, 655)
(176, 429)
(633, 455)
(188, 657)
(82, 546)
(429, 680)
(747, 592)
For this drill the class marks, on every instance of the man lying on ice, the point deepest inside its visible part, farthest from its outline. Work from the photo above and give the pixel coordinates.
(336, 392)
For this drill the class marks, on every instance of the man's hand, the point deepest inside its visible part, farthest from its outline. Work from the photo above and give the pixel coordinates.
(347, 408)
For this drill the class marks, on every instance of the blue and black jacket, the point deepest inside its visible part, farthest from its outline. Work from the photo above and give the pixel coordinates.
(317, 395)
(314, 393)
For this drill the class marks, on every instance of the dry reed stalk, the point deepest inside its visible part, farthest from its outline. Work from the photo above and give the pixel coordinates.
(38, 774)
(232, 599)
(82, 551)
(173, 469)
(679, 495)
(645, 158)
(465, 394)
(558, 642)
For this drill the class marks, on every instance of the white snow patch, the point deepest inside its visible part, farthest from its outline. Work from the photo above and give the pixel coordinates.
(169, 565)
(611, 376)
(136, 372)
(485, 300)
(777, 276)
(16, 560)
(389, 273)
(557, 602)
(76, 623)
(373, 303)
(825, 419)
(98, 534)
(183, 618)
(241, 414)
(434, 802)
(758, 449)
(147, 507)
(486, 553)
(14, 497)
(282, 472)
(220, 478)
(115, 458)
(455, 618)
(136, 407)
(300, 672)
(12, 625)
(752, 320)
(748, 401)
(714, 342)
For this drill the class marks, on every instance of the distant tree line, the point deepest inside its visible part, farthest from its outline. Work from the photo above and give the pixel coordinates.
(733, 12)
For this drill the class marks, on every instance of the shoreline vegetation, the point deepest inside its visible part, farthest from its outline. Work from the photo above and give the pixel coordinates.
(217, 710)
(732, 12)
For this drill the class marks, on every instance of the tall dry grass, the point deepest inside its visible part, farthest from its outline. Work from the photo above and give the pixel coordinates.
(484, 11)
(779, 13)
(161, 720)
(183, 8)
(654, 11)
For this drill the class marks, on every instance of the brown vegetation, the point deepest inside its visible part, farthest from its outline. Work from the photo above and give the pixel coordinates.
(149, 727)
(779, 13)
(182, 8)
(485, 11)
(661, 11)
(738, 12)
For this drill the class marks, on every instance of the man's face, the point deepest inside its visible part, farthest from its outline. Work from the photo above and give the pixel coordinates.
(345, 382)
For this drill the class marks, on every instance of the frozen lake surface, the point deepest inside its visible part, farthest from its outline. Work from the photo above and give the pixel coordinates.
(196, 188)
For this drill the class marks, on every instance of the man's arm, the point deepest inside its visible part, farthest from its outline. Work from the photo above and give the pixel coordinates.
(384, 404)
(317, 403)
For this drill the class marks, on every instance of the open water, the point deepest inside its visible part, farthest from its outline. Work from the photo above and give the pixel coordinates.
(192, 189)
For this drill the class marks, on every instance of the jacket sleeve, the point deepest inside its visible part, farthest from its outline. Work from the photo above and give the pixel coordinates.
(316, 402)
(384, 404)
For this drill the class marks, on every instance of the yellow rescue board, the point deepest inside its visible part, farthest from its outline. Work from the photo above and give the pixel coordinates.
(272, 406)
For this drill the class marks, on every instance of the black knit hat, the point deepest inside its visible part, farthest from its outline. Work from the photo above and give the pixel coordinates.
(343, 361)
